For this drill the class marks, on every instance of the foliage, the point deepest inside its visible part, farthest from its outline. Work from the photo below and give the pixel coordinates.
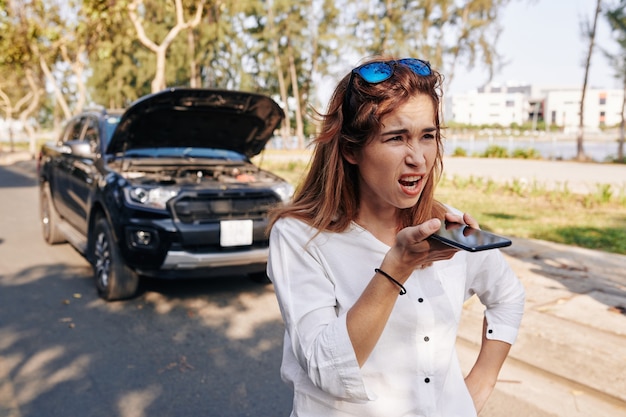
(534, 211)
(458, 151)
(449, 34)
(526, 153)
(617, 20)
(495, 151)
(88, 51)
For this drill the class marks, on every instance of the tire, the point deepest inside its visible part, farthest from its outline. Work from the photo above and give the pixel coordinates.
(114, 279)
(49, 217)
(260, 278)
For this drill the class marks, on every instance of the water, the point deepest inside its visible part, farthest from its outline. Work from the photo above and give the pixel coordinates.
(600, 150)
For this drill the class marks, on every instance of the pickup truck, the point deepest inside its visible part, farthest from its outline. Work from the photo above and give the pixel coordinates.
(165, 188)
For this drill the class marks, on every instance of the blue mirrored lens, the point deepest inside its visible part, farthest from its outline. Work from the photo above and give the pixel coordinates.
(417, 66)
(375, 72)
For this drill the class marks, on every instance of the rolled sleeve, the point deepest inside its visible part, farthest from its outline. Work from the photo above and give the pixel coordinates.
(502, 293)
(500, 332)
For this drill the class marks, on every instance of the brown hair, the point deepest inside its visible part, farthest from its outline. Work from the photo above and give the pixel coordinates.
(328, 197)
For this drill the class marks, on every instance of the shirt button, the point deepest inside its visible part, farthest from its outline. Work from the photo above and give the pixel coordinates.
(490, 331)
(426, 338)
(421, 300)
(427, 380)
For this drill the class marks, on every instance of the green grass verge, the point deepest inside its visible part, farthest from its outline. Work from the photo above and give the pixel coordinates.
(596, 220)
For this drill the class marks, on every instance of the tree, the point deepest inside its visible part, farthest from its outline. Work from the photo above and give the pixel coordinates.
(136, 11)
(589, 32)
(124, 49)
(120, 66)
(288, 40)
(21, 80)
(617, 21)
(445, 32)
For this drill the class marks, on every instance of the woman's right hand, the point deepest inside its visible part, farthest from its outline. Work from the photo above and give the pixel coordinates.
(413, 250)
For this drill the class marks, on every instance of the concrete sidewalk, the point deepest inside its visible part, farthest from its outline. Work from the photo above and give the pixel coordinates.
(570, 356)
(577, 177)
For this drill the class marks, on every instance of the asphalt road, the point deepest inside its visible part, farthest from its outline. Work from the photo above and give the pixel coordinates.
(195, 348)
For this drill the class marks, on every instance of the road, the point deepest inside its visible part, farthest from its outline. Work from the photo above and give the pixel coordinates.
(198, 348)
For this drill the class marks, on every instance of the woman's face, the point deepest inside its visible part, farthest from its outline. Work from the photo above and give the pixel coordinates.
(394, 165)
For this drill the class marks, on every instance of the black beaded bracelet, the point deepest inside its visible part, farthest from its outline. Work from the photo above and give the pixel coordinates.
(392, 279)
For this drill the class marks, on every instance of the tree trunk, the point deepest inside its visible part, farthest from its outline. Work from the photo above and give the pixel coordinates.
(580, 152)
(58, 94)
(296, 94)
(29, 111)
(194, 81)
(158, 83)
(78, 68)
(279, 73)
(620, 146)
(8, 117)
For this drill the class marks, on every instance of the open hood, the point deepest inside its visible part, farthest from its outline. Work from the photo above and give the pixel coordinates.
(187, 117)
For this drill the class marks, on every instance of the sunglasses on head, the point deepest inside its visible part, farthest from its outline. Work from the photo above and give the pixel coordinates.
(379, 71)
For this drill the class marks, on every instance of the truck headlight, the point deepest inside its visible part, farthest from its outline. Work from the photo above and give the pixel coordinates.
(150, 197)
(284, 191)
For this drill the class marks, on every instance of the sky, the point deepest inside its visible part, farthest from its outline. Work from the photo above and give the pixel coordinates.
(542, 45)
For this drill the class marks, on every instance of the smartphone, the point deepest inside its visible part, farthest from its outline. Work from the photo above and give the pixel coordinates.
(467, 238)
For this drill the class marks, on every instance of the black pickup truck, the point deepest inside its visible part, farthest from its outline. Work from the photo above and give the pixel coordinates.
(165, 188)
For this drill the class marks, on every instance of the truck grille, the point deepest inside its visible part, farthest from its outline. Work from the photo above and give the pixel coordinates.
(224, 206)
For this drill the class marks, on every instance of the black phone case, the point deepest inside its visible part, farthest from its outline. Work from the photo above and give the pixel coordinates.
(469, 239)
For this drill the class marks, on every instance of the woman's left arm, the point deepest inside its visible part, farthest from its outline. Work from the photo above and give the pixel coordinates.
(482, 378)
(491, 278)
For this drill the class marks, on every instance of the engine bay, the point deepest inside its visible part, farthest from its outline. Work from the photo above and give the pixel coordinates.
(164, 174)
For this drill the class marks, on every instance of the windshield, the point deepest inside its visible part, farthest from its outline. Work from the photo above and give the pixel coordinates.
(186, 152)
(110, 123)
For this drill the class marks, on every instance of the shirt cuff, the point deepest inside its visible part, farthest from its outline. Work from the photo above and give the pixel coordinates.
(501, 332)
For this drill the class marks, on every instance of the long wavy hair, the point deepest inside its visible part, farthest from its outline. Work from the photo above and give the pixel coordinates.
(328, 197)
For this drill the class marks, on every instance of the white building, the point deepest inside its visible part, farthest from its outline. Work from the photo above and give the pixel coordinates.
(493, 105)
(602, 108)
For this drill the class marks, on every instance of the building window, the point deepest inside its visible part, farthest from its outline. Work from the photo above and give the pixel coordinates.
(510, 103)
(602, 119)
(602, 98)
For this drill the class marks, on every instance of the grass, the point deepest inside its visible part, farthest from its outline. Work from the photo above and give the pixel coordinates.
(595, 221)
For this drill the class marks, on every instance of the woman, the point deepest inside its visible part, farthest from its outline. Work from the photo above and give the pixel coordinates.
(370, 304)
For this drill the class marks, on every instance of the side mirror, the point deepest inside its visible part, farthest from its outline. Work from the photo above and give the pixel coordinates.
(77, 148)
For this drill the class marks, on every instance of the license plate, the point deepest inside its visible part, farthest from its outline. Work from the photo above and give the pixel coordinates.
(235, 233)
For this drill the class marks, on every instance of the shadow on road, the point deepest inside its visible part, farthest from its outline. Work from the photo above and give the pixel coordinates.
(20, 174)
(179, 349)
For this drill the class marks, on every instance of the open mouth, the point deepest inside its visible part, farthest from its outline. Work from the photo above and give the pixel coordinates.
(410, 182)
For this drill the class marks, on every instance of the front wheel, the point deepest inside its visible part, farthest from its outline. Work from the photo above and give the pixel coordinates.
(260, 277)
(114, 279)
(49, 217)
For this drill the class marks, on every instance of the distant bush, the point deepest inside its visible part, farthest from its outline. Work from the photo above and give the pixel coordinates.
(458, 151)
(526, 153)
(495, 151)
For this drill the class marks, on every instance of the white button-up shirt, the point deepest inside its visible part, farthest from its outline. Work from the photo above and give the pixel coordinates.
(414, 369)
